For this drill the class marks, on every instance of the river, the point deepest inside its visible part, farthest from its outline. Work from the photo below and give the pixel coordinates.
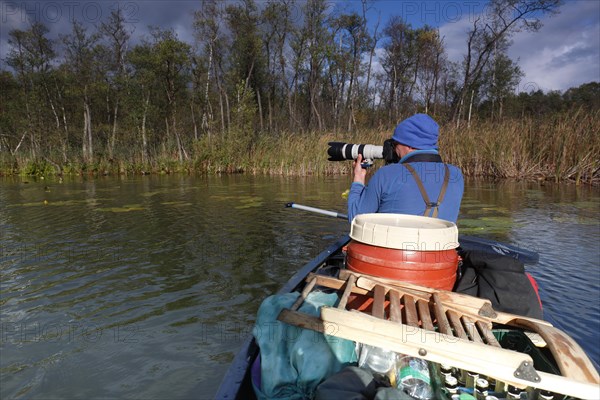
(145, 287)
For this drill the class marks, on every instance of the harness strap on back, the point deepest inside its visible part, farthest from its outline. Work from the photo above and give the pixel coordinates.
(429, 206)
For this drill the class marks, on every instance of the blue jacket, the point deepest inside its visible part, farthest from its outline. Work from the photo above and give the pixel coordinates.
(392, 189)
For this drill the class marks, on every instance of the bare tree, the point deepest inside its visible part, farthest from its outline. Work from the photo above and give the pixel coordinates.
(503, 18)
(80, 53)
(431, 55)
(317, 39)
(31, 56)
(276, 27)
(399, 62)
(172, 63)
(117, 36)
(212, 39)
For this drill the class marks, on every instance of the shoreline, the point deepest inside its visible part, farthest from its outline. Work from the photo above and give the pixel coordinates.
(190, 172)
(561, 148)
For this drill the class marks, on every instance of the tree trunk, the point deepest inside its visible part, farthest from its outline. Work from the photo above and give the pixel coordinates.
(144, 137)
(313, 105)
(177, 139)
(470, 109)
(85, 138)
(459, 111)
(84, 142)
(222, 106)
(88, 149)
(270, 111)
(392, 100)
(64, 118)
(467, 69)
(227, 109)
(54, 113)
(436, 80)
(260, 111)
(14, 152)
(194, 121)
(180, 148)
(207, 106)
(113, 136)
(29, 126)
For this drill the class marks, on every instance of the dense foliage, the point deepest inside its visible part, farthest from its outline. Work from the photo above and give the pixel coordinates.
(256, 72)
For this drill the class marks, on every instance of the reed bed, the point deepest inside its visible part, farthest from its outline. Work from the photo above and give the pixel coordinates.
(559, 148)
(562, 147)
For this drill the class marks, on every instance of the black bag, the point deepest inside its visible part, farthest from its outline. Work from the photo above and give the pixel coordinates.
(353, 383)
(500, 279)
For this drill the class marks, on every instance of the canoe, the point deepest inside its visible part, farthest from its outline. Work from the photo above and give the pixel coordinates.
(443, 320)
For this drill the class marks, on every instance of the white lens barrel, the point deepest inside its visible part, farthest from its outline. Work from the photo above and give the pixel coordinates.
(369, 151)
(372, 152)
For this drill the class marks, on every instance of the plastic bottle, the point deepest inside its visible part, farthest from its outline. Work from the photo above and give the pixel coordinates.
(412, 377)
(461, 375)
(451, 384)
(514, 392)
(481, 388)
(492, 382)
(532, 393)
(495, 385)
(376, 359)
(471, 379)
(546, 395)
(445, 371)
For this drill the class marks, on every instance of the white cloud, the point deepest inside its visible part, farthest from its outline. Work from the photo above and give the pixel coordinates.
(454, 35)
(58, 17)
(564, 53)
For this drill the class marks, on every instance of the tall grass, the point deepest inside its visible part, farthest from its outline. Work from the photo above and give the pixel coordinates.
(299, 154)
(563, 147)
(560, 147)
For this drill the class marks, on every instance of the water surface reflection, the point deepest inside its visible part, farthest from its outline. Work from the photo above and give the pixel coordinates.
(145, 287)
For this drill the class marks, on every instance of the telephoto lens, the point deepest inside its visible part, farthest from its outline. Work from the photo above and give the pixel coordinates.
(340, 151)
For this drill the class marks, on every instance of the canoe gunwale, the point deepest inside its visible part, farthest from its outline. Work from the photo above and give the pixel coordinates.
(239, 370)
(447, 342)
(236, 383)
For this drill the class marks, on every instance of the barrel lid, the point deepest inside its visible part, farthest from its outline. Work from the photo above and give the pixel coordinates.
(405, 232)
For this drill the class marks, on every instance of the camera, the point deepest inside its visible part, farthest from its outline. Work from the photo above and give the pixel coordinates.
(340, 151)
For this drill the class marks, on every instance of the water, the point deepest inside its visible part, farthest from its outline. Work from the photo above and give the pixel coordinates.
(145, 287)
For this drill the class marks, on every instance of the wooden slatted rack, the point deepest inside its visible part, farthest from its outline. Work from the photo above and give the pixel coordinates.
(443, 327)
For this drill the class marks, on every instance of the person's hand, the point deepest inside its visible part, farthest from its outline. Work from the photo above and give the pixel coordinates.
(360, 173)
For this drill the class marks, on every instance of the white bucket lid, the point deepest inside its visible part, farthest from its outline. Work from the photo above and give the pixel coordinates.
(405, 232)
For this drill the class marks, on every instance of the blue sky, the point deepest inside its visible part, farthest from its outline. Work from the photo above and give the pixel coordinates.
(563, 54)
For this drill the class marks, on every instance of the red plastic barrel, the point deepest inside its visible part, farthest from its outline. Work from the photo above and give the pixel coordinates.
(435, 269)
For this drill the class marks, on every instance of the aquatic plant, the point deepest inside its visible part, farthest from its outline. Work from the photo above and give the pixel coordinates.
(562, 147)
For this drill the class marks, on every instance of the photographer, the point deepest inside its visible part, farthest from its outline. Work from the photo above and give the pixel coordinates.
(418, 184)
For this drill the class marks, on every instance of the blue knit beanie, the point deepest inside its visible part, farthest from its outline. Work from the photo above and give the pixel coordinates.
(419, 132)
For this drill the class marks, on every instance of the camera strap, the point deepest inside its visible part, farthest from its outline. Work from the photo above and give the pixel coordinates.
(431, 209)
(423, 157)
